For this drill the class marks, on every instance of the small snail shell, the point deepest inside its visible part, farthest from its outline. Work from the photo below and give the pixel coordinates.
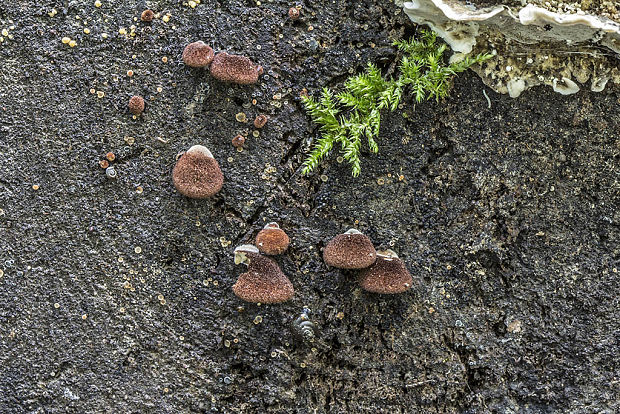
(303, 328)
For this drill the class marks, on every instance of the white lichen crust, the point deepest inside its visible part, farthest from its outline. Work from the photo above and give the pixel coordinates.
(532, 44)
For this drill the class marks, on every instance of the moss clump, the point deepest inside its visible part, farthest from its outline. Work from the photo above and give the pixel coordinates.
(354, 113)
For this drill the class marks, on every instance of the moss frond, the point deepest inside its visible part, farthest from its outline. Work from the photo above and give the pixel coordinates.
(355, 113)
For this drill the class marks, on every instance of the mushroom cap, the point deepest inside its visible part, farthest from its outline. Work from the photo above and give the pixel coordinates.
(197, 174)
(147, 15)
(264, 282)
(260, 121)
(272, 239)
(235, 69)
(293, 13)
(136, 105)
(238, 141)
(351, 250)
(388, 275)
(198, 54)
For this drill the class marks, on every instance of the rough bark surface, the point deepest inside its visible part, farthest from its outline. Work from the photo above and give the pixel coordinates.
(114, 299)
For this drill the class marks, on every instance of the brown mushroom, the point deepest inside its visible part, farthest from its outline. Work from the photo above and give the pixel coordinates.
(264, 282)
(272, 239)
(198, 54)
(197, 174)
(235, 69)
(388, 275)
(147, 15)
(260, 121)
(293, 13)
(136, 105)
(351, 250)
(238, 141)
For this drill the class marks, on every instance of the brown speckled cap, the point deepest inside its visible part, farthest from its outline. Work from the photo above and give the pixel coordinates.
(272, 239)
(198, 55)
(136, 105)
(147, 15)
(235, 69)
(388, 275)
(260, 121)
(197, 174)
(264, 282)
(351, 250)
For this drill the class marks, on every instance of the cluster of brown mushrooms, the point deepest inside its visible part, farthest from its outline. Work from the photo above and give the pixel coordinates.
(197, 173)
(223, 66)
(380, 271)
(264, 282)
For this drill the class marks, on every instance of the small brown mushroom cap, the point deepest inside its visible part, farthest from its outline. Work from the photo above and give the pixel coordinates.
(293, 13)
(351, 250)
(197, 174)
(198, 54)
(388, 275)
(235, 69)
(238, 141)
(136, 105)
(260, 121)
(272, 239)
(264, 282)
(147, 15)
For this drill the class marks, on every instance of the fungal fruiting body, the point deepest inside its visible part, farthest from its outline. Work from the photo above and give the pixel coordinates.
(260, 121)
(272, 239)
(533, 43)
(388, 275)
(351, 250)
(197, 174)
(198, 55)
(293, 13)
(264, 282)
(147, 15)
(136, 105)
(235, 69)
(238, 141)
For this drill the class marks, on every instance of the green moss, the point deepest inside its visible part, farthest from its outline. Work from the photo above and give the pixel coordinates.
(347, 117)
